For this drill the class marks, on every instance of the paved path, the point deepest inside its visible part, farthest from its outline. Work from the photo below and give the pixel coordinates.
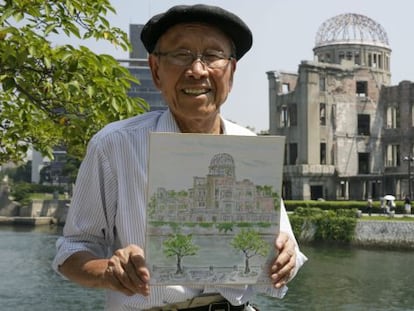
(387, 216)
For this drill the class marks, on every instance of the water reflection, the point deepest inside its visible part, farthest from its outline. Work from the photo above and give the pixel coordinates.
(350, 279)
(27, 281)
(334, 278)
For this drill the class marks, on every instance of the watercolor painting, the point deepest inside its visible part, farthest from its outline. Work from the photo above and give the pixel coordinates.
(213, 208)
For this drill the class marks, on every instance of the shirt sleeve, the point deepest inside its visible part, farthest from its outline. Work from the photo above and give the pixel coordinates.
(91, 212)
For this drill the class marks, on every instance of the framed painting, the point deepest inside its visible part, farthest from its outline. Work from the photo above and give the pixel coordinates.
(213, 208)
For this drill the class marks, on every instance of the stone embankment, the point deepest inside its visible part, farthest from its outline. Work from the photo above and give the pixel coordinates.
(387, 233)
(39, 212)
(27, 221)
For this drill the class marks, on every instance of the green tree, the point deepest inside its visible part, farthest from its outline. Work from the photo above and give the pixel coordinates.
(58, 95)
(70, 168)
(180, 245)
(251, 244)
(21, 173)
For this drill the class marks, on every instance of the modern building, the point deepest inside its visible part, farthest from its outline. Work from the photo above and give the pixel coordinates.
(349, 133)
(137, 64)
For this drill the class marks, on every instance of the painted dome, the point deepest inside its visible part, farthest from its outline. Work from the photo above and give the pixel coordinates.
(222, 164)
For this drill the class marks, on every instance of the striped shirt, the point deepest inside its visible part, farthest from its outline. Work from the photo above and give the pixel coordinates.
(108, 208)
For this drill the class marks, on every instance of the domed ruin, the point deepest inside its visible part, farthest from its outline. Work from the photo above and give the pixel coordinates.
(351, 28)
(355, 38)
(222, 164)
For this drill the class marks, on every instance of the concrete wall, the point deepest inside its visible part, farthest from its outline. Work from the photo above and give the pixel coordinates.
(385, 234)
(388, 234)
(46, 208)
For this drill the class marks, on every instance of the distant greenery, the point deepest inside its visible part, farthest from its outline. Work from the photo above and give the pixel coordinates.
(221, 226)
(292, 205)
(328, 225)
(22, 192)
(45, 196)
(21, 173)
(206, 224)
(244, 224)
(59, 95)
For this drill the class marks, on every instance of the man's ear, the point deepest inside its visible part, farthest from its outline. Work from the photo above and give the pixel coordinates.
(233, 70)
(153, 64)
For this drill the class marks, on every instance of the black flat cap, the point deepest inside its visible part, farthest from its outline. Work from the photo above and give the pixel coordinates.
(227, 22)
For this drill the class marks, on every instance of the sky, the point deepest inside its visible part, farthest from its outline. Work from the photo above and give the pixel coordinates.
(254, 159)
(284, 34)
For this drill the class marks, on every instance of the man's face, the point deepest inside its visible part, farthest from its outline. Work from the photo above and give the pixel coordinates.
(194, 92)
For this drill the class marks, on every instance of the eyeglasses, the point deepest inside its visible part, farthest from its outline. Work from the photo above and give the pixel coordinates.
(210, 58)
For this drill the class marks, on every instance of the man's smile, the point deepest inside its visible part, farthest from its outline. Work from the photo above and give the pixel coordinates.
(198, 91)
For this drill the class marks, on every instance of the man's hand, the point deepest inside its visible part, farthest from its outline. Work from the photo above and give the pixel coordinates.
(127, 271)
(285, 263)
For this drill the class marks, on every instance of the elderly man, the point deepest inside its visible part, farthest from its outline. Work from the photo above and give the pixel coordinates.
(193, 52)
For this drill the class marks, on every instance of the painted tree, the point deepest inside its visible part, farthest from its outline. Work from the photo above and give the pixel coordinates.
(267, 190)
(58, 95)
(225, 226)
(251, 244)
(180, 245)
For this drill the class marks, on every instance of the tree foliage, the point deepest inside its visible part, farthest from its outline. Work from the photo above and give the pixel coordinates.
(58, 95)
(250, 243)
(316, 224)
(180, 245)
(225, 226)
(21, 173)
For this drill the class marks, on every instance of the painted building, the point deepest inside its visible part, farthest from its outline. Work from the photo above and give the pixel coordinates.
(349, 133)
(217, 197)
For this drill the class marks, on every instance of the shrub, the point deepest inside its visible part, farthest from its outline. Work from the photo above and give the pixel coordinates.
(21, 191)
(292, 205)
(331, 225)
(335, 228)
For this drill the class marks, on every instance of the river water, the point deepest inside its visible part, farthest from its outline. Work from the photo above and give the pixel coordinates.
(334, 278)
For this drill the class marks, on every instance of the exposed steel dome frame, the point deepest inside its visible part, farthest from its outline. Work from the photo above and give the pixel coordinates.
(350, 28)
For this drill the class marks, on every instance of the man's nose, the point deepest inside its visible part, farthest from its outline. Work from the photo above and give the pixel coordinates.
(198, 68)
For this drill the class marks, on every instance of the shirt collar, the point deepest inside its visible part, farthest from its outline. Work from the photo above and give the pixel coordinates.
(166, 123)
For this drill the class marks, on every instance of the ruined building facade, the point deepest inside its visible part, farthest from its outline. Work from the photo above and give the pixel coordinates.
(216, 197)
(349, 133)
